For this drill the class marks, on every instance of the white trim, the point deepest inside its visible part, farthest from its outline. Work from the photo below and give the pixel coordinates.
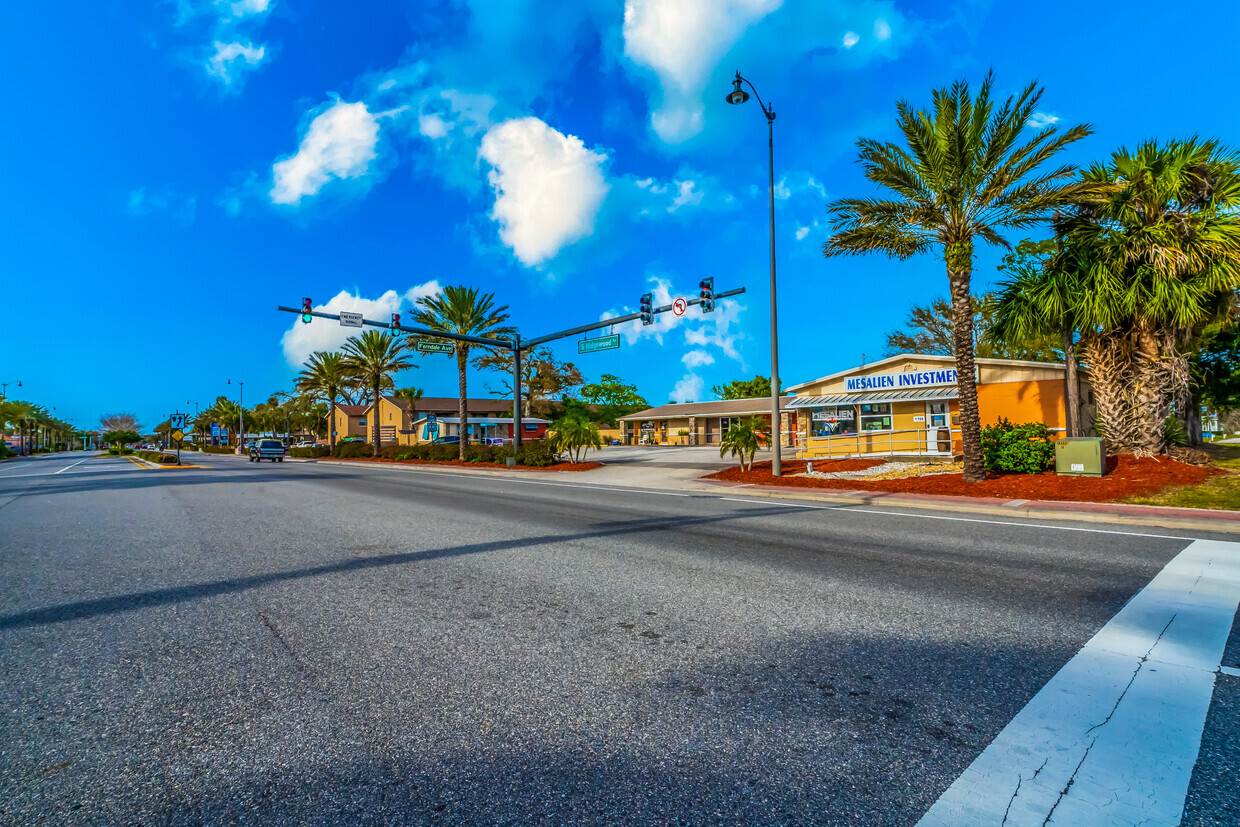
(931, 357)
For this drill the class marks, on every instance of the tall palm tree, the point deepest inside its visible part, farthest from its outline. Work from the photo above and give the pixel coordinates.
(326, 374)
(466, 312)
(372, 357)
(965, 175)
(1158, 261)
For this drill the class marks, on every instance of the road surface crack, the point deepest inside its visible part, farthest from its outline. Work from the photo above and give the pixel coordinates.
(279, 636)
(1019, 780)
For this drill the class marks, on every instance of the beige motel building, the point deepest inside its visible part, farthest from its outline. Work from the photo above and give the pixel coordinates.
(406, 422)
(903, 405)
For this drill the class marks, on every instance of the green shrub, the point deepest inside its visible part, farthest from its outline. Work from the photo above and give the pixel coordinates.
(158, 457)
(1176, 433)
(119, 451)
(6, 452)
(354, 450)
(538, 453)
(1018, 449)
(390, 451)
(219, 449)
(310, 452)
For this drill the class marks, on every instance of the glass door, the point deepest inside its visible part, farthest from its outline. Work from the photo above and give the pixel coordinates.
(938, 428)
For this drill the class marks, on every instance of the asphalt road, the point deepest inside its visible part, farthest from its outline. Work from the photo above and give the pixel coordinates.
(304, 643)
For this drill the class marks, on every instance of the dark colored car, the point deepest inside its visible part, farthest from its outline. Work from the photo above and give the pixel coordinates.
(446, 440)
(272, 449)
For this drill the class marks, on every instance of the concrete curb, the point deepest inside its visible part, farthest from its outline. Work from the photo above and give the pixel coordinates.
(1200, 519)
(487, 472)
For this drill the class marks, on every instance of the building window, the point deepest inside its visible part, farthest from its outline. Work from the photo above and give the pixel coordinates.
(876, 417)
(936, 414)
(833, 420)
(361, 421)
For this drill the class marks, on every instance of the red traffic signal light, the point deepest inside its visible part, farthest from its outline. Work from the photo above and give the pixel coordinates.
(707, 294)
(396, 321)
(646, 308)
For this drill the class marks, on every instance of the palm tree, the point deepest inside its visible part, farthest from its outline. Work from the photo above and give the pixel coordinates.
(964, 176)
(466, 312)
(743, 439)
(575, 435)
(1036, 303)
(372, 357)
(410, 394)
(326, 374)
(1157, 261)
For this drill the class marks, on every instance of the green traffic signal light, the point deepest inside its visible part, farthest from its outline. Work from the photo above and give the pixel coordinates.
(306, 317)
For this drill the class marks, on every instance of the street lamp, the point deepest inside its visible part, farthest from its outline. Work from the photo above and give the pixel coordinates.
(4, 388)
(736, 97)
(241, 404)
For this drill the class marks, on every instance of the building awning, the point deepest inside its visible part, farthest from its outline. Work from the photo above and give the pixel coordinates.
(923, 394)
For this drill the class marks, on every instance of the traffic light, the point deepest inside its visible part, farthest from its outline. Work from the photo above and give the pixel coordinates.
(647, 308)
(707, 294)
(396, 321)
(306, 310)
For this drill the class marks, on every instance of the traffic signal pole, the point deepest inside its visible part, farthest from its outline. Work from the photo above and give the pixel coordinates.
(515, 345)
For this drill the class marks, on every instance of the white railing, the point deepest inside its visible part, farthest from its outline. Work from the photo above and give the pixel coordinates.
(912, 442)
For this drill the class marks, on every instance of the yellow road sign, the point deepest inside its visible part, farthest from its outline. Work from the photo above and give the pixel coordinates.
(178, 435)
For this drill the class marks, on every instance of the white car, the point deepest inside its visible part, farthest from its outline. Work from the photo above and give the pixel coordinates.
(305, 443)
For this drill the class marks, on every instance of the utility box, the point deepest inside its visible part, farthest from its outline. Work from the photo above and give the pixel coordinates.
(1081, 456)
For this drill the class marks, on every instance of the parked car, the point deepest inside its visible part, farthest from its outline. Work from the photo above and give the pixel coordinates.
(305, 443)
(446, 440)
(272, 449)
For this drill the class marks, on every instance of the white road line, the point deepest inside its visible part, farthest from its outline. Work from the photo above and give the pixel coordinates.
(74, 465)
(846, 508)
(1114, 736)
(1227, 670)
(537, 482)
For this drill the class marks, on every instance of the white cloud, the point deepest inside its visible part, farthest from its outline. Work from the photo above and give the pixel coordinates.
(717, 329)
(1041, 120)
(145, 201)
(339, 143)
(697, 358)
(851, 39)
(798, 183)
(802, 232)
(548, 187)
(688, 389)
(224, 63)
(300, 340)
(681, 41)
(882, 29)
(244, 8)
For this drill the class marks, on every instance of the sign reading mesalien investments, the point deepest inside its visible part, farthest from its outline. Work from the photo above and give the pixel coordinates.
(901, 381)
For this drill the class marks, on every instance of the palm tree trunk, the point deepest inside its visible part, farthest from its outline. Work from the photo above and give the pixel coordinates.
(374, 417)
(461, 356)
(959, 260)
(1151, 411)
(1072, 397)
(331, 420)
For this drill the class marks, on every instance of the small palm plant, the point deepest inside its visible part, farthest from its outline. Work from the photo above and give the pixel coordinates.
(576, 436)
(743, 439)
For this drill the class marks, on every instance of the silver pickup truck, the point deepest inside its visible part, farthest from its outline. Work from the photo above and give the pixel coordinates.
(272, 449)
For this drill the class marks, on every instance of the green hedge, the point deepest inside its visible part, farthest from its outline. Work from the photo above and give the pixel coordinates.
(1018, 449)
(354, 450)
(310, 453)
(535, 454)
(6, 452)
(158, 457)
(219, 449)
(119, 452)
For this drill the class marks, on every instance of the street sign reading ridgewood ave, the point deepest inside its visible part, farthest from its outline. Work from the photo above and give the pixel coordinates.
(435, 347)
(601, 343)
(350, 319)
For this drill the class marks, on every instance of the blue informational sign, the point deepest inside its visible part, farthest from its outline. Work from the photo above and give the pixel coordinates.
(215, 429)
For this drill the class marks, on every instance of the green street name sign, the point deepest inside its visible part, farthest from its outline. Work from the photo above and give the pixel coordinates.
(601, 343)
(435, 347)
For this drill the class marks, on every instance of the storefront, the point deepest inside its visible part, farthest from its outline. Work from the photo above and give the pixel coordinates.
(702, 423)
(908, 405)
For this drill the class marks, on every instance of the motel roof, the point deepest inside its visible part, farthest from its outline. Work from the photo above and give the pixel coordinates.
(722, 407)
(352, 410)
(451, 403)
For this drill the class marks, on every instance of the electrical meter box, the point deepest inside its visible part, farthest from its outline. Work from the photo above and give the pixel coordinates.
(1081, 456)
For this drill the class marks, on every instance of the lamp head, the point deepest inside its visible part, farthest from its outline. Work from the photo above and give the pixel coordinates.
(737, 95)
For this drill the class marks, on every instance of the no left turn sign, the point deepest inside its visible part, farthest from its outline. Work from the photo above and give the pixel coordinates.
(679, 306)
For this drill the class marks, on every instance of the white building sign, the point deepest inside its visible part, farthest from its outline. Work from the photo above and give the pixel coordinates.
(901, 381)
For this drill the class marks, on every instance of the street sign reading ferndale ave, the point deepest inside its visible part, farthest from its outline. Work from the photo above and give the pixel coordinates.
(435, 347)
(601, 343)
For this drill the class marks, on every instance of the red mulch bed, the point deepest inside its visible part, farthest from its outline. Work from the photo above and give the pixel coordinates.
(562, 466)
(1126, 476)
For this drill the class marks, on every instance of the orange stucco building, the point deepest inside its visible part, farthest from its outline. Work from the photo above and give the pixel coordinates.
(907, 404)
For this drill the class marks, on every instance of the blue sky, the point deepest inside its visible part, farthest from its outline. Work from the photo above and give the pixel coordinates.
(172, 173)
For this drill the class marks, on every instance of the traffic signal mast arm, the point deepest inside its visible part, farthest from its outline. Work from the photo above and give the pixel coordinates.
(522, 344)
(404, 328)
(529, 343)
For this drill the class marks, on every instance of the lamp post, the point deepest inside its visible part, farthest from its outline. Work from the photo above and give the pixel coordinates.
(736, 97)
(4, 387)
(241, 405)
